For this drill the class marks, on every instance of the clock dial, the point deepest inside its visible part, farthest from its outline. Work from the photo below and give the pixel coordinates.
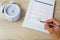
(12, 10)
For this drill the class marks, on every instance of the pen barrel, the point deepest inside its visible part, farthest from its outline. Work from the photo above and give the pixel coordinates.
(54, 25)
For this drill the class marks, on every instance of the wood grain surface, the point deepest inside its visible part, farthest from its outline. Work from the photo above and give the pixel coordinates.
(15, 31)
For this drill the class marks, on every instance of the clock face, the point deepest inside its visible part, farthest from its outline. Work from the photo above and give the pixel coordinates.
(12, 9)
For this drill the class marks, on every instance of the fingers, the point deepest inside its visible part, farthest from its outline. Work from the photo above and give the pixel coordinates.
(47, 25)
(49, 28)
(53, 30)
(54, 21)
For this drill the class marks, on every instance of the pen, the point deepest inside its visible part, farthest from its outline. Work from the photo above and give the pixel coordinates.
(52, 24)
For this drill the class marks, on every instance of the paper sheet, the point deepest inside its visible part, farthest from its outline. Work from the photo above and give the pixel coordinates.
(38, 10)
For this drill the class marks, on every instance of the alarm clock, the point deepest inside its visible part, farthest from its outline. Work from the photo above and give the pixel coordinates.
(12, 11)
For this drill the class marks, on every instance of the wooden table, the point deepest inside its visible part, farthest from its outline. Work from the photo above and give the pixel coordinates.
(15, 31)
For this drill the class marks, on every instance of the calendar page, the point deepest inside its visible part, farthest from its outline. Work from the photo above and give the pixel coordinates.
(37, 11)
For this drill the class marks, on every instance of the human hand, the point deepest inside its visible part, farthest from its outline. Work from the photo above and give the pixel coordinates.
(54, 31)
